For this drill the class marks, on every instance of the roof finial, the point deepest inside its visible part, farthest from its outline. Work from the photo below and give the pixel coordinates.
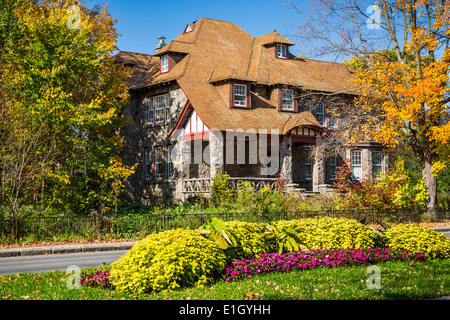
(161, 43)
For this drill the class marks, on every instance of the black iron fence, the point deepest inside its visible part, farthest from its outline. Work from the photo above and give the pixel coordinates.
(137, 226)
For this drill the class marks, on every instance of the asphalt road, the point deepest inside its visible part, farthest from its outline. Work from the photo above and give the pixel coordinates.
(48, 263)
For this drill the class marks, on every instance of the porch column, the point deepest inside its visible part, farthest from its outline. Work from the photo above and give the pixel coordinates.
(216, 153)
(318, 177)
(286, 159)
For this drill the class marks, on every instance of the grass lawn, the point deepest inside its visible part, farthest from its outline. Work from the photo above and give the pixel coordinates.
(399, 280)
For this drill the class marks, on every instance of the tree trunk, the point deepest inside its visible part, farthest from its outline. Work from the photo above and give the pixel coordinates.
(430, 183)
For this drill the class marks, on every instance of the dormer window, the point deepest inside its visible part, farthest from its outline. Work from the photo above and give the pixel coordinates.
(165, 64)
(282, 51)
(240, 95)
(287, 100)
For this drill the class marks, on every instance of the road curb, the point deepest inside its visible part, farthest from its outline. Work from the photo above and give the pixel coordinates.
(442, 229)
(33, 251)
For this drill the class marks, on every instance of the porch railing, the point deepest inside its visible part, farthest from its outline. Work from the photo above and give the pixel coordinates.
(202, 185)
(196, 185)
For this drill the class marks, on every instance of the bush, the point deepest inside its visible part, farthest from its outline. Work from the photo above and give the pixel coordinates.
(166, 261)
(330, 233)
(418, 239)
(250, 238)
(394, 190)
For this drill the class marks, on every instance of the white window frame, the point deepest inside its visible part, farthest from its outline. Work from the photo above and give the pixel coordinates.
(166, 107)
(147, 167)
(159, 162)
(150, 110)
(281, 51)
(377, 165)
(356, 164)
(164, 64)
(287, 100)
(240, 91)
(169, 162)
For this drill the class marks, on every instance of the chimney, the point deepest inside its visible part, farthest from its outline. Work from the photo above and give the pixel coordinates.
(161, 43)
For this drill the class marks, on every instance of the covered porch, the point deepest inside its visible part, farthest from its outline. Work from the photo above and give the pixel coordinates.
(265, 157)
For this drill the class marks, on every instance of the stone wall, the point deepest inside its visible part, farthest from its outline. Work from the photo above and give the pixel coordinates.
(140, 136)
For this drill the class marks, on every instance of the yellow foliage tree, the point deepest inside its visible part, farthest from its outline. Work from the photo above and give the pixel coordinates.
(401, 54)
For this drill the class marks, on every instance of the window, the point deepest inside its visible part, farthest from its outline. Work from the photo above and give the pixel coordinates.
(332, 166)
(164, 64)
(150, 110)
(281, 51)
(320, 112)
(287, 100)
(169, 162)
(147, 164)
(308, 165)
(355, 158)
(332, 108)
(318, 108)
(167, 107)
(240, 95)
(377, 164)
(159, 157)
(331, 122)
(158, 109)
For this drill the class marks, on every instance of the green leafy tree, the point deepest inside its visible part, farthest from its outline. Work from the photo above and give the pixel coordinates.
(63, 96)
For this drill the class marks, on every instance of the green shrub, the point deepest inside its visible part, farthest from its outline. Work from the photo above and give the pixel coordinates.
(418, 239)
(250, 237)
(166, 261)
(330, 233)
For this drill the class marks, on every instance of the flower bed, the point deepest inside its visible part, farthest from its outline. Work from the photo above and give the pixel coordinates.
(96, 279)
(273, 262)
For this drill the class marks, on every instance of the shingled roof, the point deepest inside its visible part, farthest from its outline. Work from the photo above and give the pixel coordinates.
(219, 50)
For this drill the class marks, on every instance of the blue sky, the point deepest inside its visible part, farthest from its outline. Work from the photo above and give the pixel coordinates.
(142, 22)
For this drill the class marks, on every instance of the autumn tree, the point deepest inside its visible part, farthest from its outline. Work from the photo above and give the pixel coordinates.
(63, 97)
(400, 50)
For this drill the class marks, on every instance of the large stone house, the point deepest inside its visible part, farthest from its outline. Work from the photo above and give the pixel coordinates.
(217, 99)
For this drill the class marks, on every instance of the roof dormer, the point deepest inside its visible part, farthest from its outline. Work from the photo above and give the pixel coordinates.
(171, 54)
(234, 86)
(278, 43)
